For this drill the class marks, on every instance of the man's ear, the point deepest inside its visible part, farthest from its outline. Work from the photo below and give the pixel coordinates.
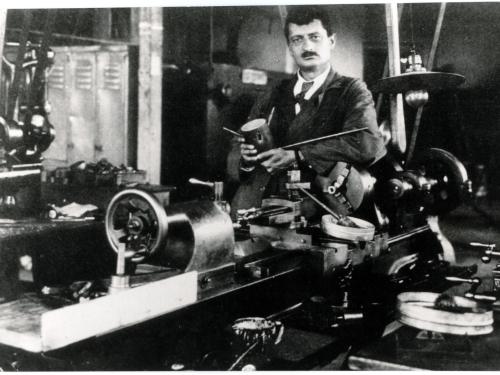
(332, 39)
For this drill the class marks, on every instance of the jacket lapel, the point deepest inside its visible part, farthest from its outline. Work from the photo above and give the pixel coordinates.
(300, 127)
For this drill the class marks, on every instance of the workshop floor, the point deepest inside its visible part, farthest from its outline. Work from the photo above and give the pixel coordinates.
(465, 225)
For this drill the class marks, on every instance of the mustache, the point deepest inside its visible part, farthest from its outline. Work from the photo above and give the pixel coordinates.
(309, 54)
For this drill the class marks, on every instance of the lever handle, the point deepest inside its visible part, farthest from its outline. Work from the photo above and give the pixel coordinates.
(195, 181)
(217, 186)
(474, 281)
(480, 297)
(484, 245)
(488, 254)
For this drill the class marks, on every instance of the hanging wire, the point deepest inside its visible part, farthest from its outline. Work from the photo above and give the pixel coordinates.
(211, 45)
(411, 28)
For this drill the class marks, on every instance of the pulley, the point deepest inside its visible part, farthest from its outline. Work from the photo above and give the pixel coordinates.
(435, 183)
(448, 176)
(459, 316)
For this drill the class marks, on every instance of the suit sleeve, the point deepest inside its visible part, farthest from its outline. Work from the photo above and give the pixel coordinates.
(360, 149)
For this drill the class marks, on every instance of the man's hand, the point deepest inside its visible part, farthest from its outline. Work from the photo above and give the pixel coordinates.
(276, 159)
(248, 153)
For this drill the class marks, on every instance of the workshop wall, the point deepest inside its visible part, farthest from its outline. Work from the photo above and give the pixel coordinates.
(258, 38)
(259, 41)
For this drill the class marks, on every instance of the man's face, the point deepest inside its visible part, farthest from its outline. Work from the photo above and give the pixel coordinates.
(310, 45)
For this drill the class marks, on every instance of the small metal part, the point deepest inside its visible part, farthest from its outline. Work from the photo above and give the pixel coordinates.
(257, 271)
(496, 278)
(249, 367)
(259, 330)
(488, 252)
(119, 283)
(177, 367)
(205, 282)
(416, 98)
(353, 316)
(218, 189)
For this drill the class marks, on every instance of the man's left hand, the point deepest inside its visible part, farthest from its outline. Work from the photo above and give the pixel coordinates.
(276, 159)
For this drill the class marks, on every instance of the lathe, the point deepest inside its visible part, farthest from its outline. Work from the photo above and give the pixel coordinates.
(193, 289)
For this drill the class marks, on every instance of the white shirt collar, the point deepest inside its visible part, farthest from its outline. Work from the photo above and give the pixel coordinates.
(318, 82)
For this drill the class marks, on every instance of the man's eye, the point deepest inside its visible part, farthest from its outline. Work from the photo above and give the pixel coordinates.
(315, 38)
(296, 40)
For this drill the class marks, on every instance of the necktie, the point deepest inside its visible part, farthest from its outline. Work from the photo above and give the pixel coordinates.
(300, 96)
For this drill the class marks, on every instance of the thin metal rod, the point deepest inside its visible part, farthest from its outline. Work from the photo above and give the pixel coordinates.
(243, 355)
(270, 117)
(437, 33)
(284, 311)
(319, 203)
(324, 138)
(232, 132)
(120, 261)
(414, 133)
(308, 141)
(408, 234)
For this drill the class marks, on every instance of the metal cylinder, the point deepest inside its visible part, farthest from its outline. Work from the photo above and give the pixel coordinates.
(258, 133)
(188, 236)
(200, 236)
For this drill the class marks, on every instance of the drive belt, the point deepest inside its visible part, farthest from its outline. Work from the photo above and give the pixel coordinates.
(418, 310)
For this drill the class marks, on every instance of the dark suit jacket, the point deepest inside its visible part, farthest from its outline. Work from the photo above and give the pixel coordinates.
(342, 104)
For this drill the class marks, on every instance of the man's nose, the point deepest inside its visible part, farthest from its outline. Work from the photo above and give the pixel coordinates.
(307, 45)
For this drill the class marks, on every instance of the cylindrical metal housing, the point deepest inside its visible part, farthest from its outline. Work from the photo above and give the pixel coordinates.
(258, 133)
(200, 236)
(188, 236)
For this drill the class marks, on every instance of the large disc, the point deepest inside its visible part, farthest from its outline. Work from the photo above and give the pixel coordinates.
(136, 218)
(450, 177)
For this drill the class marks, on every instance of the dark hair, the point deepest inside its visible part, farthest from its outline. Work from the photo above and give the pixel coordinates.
(305, 14)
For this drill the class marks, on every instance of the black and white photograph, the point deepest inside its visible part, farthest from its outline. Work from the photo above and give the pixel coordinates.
(226, 186)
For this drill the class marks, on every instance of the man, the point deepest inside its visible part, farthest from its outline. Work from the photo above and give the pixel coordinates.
(316, 102)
